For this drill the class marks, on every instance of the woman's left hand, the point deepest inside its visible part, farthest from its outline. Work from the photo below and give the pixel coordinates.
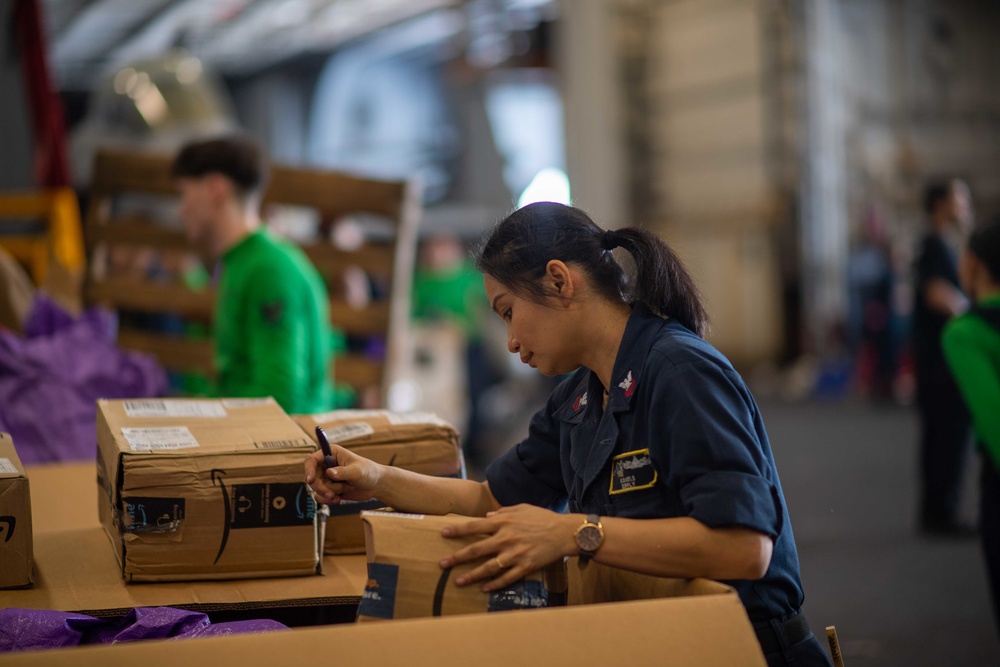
(522, 539)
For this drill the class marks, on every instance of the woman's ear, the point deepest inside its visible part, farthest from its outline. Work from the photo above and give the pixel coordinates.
(559, 280)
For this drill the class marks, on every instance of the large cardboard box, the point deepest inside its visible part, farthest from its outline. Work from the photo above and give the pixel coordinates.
(16, 570)
(405, 579)
(204, 489)
(416, 441)
(697, 631)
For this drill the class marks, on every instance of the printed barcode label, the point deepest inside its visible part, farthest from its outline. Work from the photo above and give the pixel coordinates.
(153, 408)
(279, 444)
(159, 439)
(246, 402)
(347, 432)
(7, 467)
(396, 418)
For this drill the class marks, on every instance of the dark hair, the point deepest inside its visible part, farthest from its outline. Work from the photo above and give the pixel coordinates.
(935, 193)
(237, 158)
(516, 251)
(984, 243)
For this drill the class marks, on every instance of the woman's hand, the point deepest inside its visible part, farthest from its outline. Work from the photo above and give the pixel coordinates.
(522, 539)
(353, 478)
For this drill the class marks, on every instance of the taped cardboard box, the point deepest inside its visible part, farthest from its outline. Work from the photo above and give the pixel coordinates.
(16, 562)
(405, 579)
(416, 441)
(204, 489)
(692, 632)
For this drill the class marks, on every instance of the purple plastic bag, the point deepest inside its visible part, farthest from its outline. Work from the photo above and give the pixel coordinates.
(51, 378)
(32, 629)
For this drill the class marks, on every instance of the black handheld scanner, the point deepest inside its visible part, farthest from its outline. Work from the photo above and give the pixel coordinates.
(324, 444)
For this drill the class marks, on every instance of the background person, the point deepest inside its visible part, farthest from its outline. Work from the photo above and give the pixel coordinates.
(945, 431)
(653, 441)
(271, 324)
(972, 347)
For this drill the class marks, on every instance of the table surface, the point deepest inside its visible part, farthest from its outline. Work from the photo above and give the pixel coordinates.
(76, 568)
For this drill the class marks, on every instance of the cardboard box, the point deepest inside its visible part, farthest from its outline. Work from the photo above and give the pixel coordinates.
(405, 579)
(696, 631)
(416, 441)
(16, 563)
(76, 571)
(203, 489)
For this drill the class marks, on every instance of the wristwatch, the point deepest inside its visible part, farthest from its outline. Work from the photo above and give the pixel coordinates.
(589, 537)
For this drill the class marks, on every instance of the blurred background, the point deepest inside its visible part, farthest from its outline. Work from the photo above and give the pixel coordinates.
(781, 146)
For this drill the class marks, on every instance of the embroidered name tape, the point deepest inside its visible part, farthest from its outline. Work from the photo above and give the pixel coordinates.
(632, 471)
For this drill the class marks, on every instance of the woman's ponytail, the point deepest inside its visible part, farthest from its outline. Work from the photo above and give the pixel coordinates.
(517, 250)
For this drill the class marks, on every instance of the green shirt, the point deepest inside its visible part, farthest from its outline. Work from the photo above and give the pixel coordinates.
(457, 295)
(972, 348)
(272, 325)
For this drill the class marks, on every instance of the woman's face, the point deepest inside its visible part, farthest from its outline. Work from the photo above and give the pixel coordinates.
(537, 332)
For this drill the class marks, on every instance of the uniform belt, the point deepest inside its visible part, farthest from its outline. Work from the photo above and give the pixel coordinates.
(794, 629)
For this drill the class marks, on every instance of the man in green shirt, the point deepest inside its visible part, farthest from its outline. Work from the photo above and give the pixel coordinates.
(972, 348)
(271, 325)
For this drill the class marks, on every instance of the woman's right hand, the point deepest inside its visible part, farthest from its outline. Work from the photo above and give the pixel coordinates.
(353, 478)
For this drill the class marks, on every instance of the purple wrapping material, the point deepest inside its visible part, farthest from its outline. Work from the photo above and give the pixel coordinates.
(51, 379)
(32, 629)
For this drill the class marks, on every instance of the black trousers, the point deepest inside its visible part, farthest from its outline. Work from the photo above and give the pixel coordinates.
(945, 443)
(989, 529)
(788, 642)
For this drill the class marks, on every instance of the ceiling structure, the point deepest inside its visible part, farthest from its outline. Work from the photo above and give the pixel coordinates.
(89, 39)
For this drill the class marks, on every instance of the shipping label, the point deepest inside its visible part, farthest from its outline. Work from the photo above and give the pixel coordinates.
(172, 408)
(7, 467)
(348, 432)
(246, 402)
(161, 438)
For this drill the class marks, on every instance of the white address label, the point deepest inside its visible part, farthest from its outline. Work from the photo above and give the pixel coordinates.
(159, 439)
(154, 408)
(347, 432)
(7, 467)
(246, 402)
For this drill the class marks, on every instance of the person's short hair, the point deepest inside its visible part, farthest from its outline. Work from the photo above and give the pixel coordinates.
(935, 193)
(238, 158)
(984, 243)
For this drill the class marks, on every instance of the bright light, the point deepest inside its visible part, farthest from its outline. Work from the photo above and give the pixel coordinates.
(549, 184)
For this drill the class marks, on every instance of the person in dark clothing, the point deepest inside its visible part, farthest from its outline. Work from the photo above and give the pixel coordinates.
(653, 442)
(945, 429)
(972, 347)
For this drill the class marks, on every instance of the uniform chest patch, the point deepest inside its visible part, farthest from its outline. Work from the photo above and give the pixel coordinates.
(632, 471)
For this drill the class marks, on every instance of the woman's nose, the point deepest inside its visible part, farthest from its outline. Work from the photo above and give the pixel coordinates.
(512, 344)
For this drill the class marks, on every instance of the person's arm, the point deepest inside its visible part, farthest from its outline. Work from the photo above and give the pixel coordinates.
(357, 478)
(944, 298)
(526, 538)
(934, 266)
(975, 373)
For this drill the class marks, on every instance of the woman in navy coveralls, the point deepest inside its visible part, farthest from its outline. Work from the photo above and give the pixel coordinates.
(654, 436)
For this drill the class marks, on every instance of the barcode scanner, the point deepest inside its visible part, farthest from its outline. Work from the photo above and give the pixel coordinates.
(324, 444)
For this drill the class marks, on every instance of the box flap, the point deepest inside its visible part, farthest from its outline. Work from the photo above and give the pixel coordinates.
(350, 428)
(175, 427)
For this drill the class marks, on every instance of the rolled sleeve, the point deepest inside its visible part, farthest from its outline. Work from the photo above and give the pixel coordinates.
(730, 498)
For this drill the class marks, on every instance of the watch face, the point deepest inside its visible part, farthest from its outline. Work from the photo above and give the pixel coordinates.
(589, 538)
